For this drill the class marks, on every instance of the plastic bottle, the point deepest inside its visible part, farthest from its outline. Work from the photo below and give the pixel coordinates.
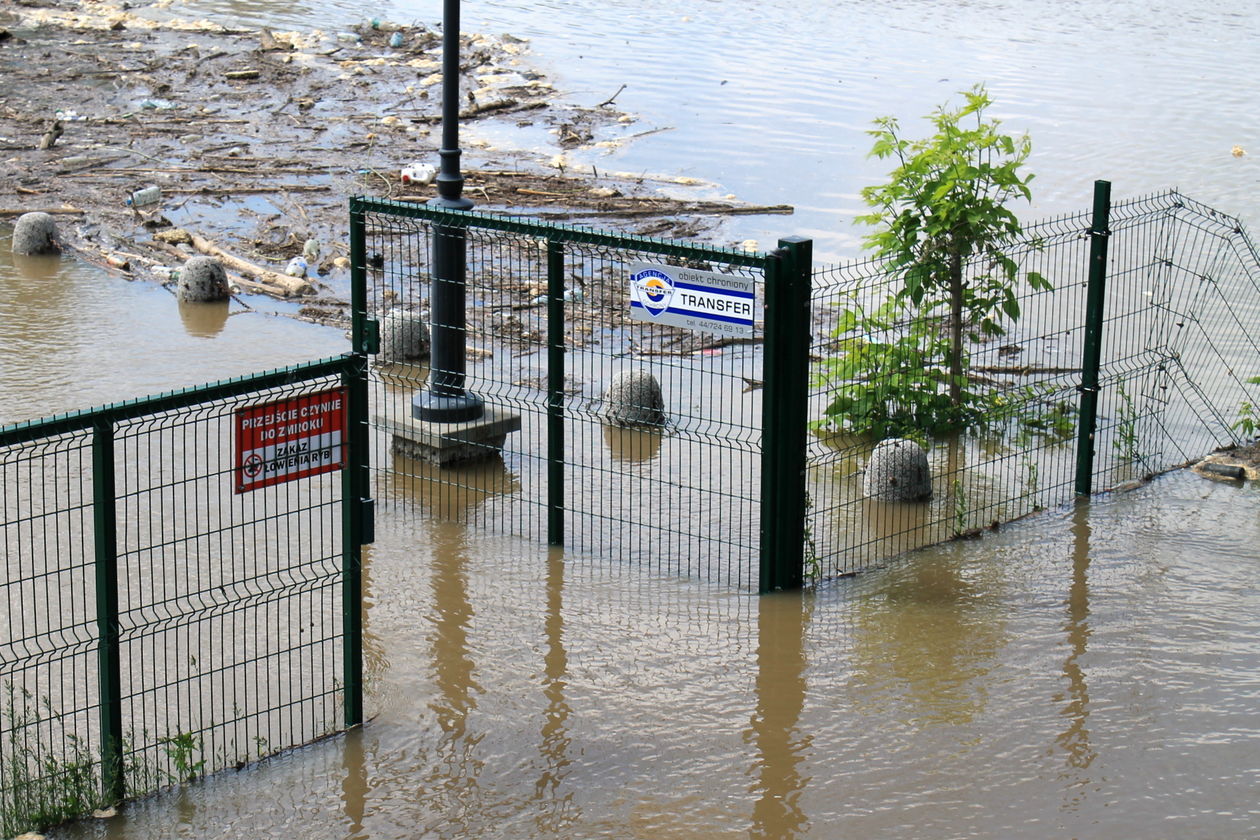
(311, 250)
(296, 267)
(396, 40)
(419, 173)
(141, 197)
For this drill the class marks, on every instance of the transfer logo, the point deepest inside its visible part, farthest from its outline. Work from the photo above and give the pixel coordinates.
(653, 289)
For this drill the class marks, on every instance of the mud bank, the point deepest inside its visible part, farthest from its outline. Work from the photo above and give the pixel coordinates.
(256, 139)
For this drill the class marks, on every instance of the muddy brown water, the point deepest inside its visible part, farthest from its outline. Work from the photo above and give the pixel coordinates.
(1083, 673)
(1086, 672)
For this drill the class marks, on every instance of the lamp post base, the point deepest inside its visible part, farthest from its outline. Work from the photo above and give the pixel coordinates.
(446, 443)
(431, 407)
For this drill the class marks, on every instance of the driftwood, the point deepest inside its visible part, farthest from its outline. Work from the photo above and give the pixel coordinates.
(8, 213)
(290, 285)
(697, 208)
(1024, 370)
(50, 137)
(241, 282)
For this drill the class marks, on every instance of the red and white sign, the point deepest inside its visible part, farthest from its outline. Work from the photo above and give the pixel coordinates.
(290, 439)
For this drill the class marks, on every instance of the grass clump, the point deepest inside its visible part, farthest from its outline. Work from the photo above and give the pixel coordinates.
(44, 779)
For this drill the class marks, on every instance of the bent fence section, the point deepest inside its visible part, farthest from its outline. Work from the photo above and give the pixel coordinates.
(744, 479)
(169, 606)
(1175, 318)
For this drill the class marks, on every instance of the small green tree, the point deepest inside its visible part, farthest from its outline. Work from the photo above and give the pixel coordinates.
(944, 229)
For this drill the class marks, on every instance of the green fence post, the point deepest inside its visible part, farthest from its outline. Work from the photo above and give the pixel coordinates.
(785, 415)
(357, 529)
(109, 680)
(555, 392)
(364, 332)
(1095, 303)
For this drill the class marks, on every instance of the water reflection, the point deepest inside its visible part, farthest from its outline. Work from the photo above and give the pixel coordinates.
(451, 493)
(37, 288)
(37, 268)
(452, 780)
(354, 786)
(1074, 739)
(204, 320)
(891, 528)
(376, 665)
(632, 446)
(782, 620)
(403, 378)
(557, 810)
(927, 640)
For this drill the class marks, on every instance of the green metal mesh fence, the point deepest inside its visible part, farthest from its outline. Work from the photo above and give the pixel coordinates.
(1176, 353)
(547, 331)
(227, 636)
(680, 496)
(49, 746)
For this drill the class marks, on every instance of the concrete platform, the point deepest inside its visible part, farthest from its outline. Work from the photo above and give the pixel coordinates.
(445, 444)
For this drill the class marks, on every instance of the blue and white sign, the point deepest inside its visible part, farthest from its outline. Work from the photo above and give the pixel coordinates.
(695, 300)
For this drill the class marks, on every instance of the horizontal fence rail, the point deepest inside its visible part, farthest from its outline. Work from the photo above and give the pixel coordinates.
(160, 618)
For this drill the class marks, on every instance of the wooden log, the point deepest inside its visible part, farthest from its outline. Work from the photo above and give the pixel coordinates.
(8, 213)
(291, 286)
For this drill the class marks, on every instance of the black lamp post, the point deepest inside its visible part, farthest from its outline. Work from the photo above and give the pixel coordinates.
(445, 400)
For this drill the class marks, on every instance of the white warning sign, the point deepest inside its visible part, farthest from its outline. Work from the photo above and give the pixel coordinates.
(696, 300)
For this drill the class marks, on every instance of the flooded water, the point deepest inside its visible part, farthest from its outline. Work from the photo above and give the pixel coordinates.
(74, 336)
(771, 102)
(1082, 673)
(1088, 673)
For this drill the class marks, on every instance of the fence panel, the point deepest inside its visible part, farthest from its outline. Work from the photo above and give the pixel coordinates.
(49, 739)
(229, 602)
(170, 607)
(548, 330)
(1179, 344)
(1181, 284)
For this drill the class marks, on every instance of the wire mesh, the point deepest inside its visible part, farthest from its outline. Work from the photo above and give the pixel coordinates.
(1181, 286)
(229, 603)
(548, 331)
(684, 497)
(49, 751)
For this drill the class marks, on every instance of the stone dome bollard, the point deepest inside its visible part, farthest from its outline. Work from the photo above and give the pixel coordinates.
(634, 399)
(898, 472)
(404, 336)
(202, 279)
(35, 233)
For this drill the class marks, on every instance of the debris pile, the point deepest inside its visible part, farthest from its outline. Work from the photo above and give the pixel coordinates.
(156, 141)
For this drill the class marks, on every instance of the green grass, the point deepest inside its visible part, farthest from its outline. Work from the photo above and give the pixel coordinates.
(44, 779)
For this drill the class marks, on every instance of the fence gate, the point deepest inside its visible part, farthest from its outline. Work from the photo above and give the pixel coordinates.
(555, 317)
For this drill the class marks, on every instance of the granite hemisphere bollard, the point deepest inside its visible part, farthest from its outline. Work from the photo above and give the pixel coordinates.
(898, 472)
(634, 399)
(202, 280)
(404, 337)
(35, 234)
